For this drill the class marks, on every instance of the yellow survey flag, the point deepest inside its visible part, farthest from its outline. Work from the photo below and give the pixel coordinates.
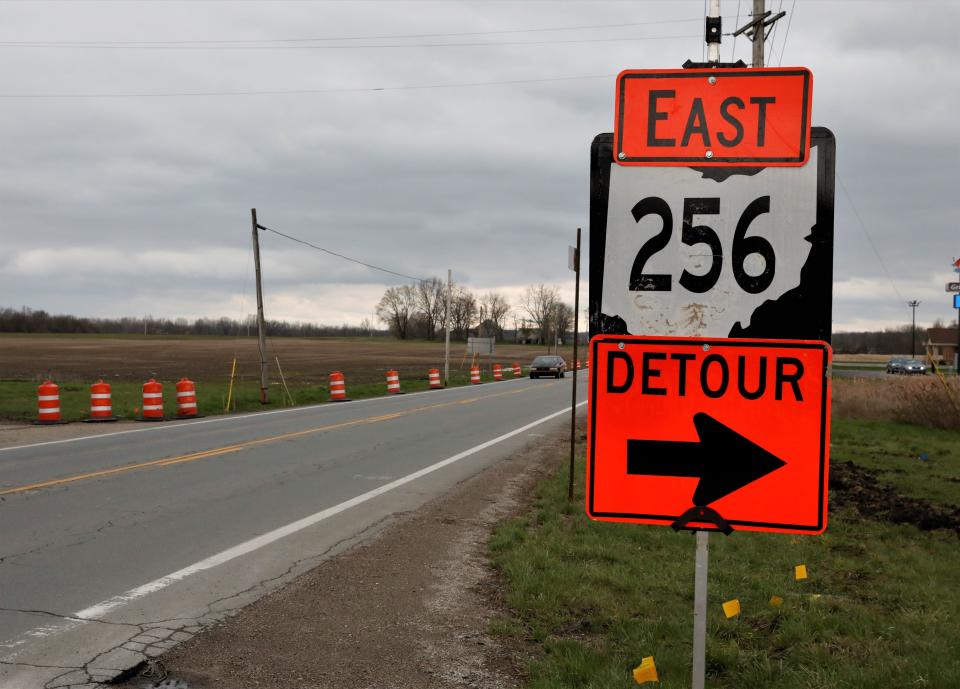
(776, 600)
(800, 572)
(731, 608)
(646, 671)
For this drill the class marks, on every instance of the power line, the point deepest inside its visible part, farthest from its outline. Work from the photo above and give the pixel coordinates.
(773, 32)
(298, 92)
(733, 51)
(339, 255)
(354, 38)
(866, 234)
(786, 35)
(475, 44)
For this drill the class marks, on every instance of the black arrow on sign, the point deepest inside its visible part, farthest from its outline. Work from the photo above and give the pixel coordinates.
(723, 460)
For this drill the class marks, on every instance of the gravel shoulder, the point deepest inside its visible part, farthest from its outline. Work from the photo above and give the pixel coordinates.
(407, 609)
(13, 434)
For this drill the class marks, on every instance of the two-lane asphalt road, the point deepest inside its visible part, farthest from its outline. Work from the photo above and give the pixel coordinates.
(116, 546)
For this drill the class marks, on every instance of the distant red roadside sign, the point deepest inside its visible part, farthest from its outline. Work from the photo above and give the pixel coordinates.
(709, 117)
(741, 426)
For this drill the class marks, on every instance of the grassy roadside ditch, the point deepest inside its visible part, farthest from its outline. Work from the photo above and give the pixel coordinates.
(587, 600)
(18, 398)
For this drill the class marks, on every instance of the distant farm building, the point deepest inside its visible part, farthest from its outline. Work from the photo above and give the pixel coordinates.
(941, 344)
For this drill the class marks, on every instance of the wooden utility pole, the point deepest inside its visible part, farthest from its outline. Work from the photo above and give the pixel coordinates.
(446, 322)
(756, 29)
(261, 327)
(759, 8)
(913, 328)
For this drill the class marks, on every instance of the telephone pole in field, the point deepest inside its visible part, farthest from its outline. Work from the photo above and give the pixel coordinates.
(913, 328)
(261, 328)
(446, 336)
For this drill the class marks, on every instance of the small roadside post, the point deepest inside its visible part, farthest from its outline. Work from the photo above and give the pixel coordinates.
(711, 277)
(573, 263)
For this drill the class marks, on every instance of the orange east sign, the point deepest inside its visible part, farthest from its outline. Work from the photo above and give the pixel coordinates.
(708, 117)
(741, 427)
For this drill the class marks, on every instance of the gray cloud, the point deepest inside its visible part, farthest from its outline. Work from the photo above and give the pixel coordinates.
(141, 204)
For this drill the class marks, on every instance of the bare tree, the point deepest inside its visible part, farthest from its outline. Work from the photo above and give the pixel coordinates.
(463, 309)
(396, 308)
(431, 300)
(562, 319)
(497, 309)
(539, 301)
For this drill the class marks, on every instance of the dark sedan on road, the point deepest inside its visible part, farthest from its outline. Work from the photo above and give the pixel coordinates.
(552, 366)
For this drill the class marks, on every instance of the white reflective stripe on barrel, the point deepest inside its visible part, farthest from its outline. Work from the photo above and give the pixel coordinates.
(187, 405)
(152, 395)
(100, 395)
(152, 407)
(186, 393)
(50, 410)
(48, 398)
(101, 408)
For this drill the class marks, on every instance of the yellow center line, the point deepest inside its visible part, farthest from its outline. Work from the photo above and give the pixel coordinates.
(227, 449)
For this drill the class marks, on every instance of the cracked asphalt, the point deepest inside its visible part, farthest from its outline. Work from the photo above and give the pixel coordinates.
(116, 548)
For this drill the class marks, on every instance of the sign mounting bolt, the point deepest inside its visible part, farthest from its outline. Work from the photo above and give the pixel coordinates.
(706, 348)
(622, 156)
(619, 345)
(709, 154)
(712, 80)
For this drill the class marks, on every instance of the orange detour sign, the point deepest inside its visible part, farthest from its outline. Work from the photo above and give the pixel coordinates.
(685, 426)
(707, 117)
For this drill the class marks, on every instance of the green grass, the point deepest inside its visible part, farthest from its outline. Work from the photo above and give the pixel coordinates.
(18, 399)
(880, 607)
(893, 450)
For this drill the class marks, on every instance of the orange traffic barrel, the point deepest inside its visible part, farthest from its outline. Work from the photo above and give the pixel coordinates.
(434, 376)
(497, 372)
(516, 370)
(393, 383)
(101, 406)
(152, 409)
(475, 375)
(186, 399)
(338, 388)
(48, 403)
(578, 363)
(586, 364)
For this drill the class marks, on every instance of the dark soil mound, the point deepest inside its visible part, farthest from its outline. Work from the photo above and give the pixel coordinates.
(859, 489)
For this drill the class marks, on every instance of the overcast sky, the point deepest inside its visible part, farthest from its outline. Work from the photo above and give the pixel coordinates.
(140, 205)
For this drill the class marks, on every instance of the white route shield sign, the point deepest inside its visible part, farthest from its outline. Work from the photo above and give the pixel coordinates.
(712, 252)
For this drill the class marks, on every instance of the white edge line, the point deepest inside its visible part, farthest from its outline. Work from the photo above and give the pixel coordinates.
(240, 417)
(99, 610)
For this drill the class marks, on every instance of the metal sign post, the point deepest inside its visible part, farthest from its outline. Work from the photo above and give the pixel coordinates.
(700, 610)
(574, 265)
